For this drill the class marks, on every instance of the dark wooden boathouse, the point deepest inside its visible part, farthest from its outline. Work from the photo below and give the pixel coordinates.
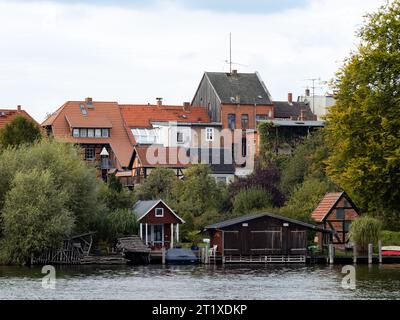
(263, 237)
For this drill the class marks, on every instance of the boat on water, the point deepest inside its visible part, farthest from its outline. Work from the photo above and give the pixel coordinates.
(180, 256)
(391, 251)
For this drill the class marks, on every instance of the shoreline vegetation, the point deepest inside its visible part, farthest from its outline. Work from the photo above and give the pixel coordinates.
(47, 192)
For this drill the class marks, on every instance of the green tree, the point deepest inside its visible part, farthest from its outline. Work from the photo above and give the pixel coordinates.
(158, 184)
(364, 125)
(34, 216)
(19, 131)
(305, 197)
(365, 230)
(115, 196)
(253, 199)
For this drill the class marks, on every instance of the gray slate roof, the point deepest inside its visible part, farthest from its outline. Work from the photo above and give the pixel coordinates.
(248, 86)
(249, 217)
(285, 110)
(215, 157)
(143, 206)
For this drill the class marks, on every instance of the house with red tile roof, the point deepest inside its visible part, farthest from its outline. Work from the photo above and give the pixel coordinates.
(99, 128)
(7, 115)
(335, 212)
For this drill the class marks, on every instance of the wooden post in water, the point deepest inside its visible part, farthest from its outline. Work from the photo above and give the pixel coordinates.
(163, 255)
(355, 253)
(331, 253)
(370, 253)
(380, 250)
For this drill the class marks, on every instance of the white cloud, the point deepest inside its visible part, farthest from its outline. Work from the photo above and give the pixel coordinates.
(50, 53)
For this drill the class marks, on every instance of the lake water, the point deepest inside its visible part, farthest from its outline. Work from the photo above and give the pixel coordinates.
(201, 282)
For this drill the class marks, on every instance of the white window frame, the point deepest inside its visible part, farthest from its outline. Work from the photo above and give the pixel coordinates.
(159, 215)
(74, 131)
(97, 133)
(90, 130)
(209, 134)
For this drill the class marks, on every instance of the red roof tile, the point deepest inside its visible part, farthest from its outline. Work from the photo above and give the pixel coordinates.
(103, 113)
(7, 115)
(158, 156)
(325, 206)
(142, 115)
(88, 122)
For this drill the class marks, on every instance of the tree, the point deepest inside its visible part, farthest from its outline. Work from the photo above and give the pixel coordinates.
(253, 199)
(305, 198)
(158, 184)
(35, 216)
(365, 230)
(19, 131)
(364, 125)
(115, 196)
(266, 178)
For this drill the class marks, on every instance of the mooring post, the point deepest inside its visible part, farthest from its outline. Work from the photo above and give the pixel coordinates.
(370, 253)
(355, 253)
(163, 255)
(223, 259)
(380, 250)
(331, 253)
(202, 255)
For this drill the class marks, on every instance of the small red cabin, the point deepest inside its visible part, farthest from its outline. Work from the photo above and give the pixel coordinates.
(336, 212)
(159, 224)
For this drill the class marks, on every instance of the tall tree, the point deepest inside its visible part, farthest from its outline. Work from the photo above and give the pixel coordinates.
(19, 131)
(158, 184)
(364, 125)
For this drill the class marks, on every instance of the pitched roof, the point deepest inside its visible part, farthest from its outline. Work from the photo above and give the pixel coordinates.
(7, 115)
(325, 206)
(287, 110)
(99, 114)
(137, 116)
(142, 207)
(249, 217)
(248, 86)
(170, 157)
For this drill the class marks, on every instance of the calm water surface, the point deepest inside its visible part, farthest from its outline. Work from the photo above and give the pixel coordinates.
(201, 282)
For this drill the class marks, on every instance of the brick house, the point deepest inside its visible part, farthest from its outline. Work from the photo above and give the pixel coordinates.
(7, 115)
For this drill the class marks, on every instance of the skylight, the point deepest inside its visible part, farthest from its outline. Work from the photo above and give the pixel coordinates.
(83, 109)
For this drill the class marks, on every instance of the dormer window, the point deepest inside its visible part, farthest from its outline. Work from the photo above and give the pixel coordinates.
(75, 133)
(91, 132)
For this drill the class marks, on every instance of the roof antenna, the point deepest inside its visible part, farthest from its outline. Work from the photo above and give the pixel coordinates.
(230, 52)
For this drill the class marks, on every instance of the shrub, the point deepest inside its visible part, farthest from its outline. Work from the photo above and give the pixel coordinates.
(365, 230)
(248, 200)
(390, 238)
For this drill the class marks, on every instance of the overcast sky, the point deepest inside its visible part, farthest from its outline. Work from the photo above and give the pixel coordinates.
(134, 51)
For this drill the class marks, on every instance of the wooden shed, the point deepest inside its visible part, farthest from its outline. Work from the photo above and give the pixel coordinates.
(263, 236)
(335, 212)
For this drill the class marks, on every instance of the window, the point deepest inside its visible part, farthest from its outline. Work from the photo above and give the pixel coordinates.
(209, 134)
(145, 136)
(159, 212)
(97, 133)
(75, 133)
(347, 225)
(90, 133)
(231, 121)
(245, 121)
(83, 110)
(89, 153)
(83, 133)
(261, 117)
(104, 133)
(179, 137)
(244, 147)
(340, 213)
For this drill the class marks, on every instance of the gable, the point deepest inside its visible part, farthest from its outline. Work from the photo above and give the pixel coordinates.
(146, 213)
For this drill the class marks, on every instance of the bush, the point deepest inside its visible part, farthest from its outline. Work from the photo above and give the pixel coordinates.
(158, 184)
(365, 230)
(35, 216)
(390, 238)
(252, 199)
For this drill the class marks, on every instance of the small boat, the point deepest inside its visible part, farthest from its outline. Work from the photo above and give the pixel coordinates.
(180, 256)
(391, 251)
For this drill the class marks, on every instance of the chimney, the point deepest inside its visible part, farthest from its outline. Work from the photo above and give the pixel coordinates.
(19, 108)
(159, 102)
(234, 72)
(307, 92)
(290, 97)
(237, 98)
(186, 106)
(88, 100)
(302, 115)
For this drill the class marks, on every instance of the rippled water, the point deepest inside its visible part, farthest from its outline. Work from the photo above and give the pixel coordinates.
(201, 282)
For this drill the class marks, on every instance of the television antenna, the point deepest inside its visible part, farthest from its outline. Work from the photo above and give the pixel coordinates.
(313, 87)
(230, 62)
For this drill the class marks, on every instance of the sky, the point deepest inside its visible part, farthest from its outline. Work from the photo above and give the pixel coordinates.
(133, 51)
